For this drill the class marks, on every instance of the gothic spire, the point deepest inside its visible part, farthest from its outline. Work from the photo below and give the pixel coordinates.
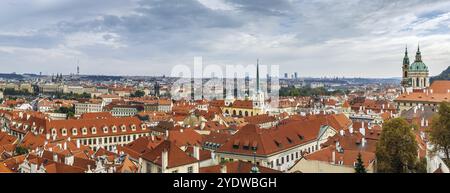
(257, 75)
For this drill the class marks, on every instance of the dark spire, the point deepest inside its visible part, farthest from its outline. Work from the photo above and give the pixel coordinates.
(406, 58)
(257, 75)
(418, 54)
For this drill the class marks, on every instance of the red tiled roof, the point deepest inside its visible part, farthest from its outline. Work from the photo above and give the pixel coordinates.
(176, 157)
(269, 141)
(236, 167)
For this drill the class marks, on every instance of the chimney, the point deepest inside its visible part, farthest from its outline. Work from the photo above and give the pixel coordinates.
(333, 157)
(153, 137)
(167, 133)
(422, 122)
(197, 152)
(426, 122)
(351, 129)
(165, 159)
(78, 144)
(223, 168)
(363, 142)
(362, 131)
(181, 130)
(55, 157)
(341, 132)
(65, 145)
(362, 124)
(47, 136)
(431, 91)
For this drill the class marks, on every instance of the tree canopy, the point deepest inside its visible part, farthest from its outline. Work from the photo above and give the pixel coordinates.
(397, 148)
(359, 167)
(440, 130)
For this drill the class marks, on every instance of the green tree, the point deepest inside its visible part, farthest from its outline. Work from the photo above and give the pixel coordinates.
(359, 167)
(20, 150)
(70, 111)
(138, 93)
(440, 130)
(397, 148)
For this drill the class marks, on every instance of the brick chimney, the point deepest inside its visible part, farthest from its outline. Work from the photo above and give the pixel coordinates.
(197, 152)
(165, 159)
(223, 168)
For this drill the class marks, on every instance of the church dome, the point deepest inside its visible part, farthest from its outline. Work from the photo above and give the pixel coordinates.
(418, 66)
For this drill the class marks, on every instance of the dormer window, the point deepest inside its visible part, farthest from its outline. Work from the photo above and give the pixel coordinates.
(114, 129)
(143, 127)
(53, 131)
(133, 127)
(105, 129)
(94, 130)
(64, 132)
(74, 131)
(123, 128)
(84, 131)
(289, 140)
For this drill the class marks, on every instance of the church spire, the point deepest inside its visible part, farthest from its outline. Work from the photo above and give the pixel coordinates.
(257, 75)
(418, 54)
(406, 58)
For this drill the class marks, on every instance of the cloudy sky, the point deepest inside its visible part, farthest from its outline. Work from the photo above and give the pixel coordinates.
(316, 38)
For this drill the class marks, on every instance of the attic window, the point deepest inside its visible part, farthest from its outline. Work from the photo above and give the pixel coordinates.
(254, 145)
(277, 143)
(246, 144)
(236, 144)
(114, 129)
(289, 140)
(300, 136)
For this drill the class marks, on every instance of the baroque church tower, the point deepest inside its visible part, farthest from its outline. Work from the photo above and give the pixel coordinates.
(415, 75)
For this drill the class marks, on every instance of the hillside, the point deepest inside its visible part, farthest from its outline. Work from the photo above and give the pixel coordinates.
(445, 75)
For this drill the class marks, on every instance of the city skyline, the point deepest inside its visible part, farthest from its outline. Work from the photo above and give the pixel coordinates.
(149, 37)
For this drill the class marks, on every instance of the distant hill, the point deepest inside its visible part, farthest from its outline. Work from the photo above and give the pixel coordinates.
(445, 75)
(11, 76)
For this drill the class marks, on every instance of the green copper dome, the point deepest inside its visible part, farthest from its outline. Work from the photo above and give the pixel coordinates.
(418, 66)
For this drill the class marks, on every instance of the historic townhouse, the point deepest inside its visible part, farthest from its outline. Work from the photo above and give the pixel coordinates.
(169, 158)
(102, 131)
(278, 147)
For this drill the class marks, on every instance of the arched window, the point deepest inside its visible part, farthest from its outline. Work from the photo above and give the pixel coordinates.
(74, 131)
(53, 131)
(246, 113)
(417, 82)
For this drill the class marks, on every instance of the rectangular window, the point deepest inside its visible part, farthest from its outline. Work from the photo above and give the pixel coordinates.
(190, 169)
